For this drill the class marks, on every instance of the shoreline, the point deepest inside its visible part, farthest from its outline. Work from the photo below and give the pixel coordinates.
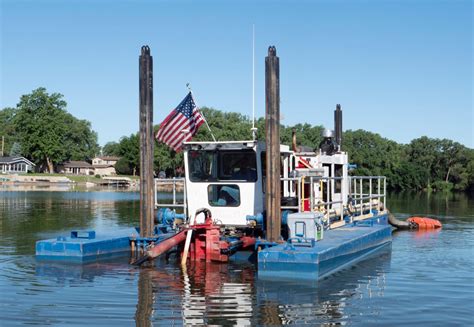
(61, 182)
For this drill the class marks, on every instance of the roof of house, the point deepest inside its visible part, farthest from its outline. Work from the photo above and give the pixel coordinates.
(77, 164)
(103, 166)
(12, 160)
(109, 158)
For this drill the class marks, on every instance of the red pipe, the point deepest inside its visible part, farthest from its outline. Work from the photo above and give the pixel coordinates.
(167, 244)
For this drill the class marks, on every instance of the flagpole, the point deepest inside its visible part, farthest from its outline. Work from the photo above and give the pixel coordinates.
(205, 120)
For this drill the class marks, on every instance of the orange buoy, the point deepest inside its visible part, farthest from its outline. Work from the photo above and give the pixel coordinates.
(425, 223)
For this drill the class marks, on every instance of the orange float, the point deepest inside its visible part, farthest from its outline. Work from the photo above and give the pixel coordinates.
(425, 223)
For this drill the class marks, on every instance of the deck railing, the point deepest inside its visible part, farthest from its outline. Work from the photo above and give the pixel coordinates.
(312, 203)
(364, 194)
(365, 189)
(174, 186)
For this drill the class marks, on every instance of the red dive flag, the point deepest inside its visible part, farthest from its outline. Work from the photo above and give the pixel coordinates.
(181, 124)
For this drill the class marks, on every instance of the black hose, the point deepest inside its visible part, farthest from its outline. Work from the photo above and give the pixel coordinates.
(207, 213)
(400, 224)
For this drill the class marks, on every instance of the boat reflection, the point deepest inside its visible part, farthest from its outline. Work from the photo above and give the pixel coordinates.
(325, 301)
(230, 294)
(82, 273)
(209, 293)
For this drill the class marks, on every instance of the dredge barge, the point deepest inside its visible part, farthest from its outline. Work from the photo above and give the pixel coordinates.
(295, 214)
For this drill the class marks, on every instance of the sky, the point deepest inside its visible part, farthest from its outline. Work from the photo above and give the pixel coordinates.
(402, 69)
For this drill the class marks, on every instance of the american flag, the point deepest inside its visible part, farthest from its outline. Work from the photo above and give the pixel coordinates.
(181, 124)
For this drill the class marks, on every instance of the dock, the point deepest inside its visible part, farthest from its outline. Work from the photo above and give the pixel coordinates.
(116, 181)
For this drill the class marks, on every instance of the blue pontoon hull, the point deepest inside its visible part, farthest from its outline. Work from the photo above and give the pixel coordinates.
(86, 246)
(340, 247)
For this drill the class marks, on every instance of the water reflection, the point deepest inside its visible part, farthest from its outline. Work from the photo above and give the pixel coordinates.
(36, 187)
(374, 292)
(75, 273)
(145, 301)
(218, 294)
(230, 294)
(326, 302)
(26, 217)
(440, 204)
(200, 294)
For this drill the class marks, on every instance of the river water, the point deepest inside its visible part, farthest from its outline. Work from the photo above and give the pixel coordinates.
(425, 279)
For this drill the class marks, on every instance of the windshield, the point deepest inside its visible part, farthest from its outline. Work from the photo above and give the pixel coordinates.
(206, 166)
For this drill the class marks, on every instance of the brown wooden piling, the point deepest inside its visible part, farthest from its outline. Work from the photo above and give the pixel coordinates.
(272, 130)
(147, 194)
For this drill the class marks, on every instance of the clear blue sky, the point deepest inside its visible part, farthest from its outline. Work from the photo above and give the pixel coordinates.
(402, 69)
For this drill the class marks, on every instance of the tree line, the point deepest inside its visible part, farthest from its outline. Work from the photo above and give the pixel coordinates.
(41, 130)
(424, 163)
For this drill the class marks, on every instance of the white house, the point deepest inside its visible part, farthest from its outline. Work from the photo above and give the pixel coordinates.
(105, 160)
(76, 168)
(15, 165)
(105, 165)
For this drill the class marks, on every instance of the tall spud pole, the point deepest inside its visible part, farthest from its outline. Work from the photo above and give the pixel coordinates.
(272, 130)
(147, 193)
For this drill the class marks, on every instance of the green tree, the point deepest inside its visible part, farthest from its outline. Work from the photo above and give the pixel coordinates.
(470, 172)
(122, 167)
(424, 163)
(111, 149)
(129, 151)
(373, 154)
(80, 141)
(422, 152)
(225, 126)
(306, 134)
(446, 161)
(40, 125)
(7, 129)
(15, 150)
(50, 135)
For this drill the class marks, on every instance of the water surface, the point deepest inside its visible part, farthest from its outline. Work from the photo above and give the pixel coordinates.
(423, 279)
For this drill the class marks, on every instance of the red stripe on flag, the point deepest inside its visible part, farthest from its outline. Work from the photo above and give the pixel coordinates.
(171, 130)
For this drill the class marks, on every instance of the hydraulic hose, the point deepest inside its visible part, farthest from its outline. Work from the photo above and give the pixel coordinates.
(400, 224)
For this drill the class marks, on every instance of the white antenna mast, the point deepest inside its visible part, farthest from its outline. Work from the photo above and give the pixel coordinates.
(254, 130)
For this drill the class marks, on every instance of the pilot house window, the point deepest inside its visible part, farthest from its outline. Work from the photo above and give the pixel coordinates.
(223, 195)
(208, 166)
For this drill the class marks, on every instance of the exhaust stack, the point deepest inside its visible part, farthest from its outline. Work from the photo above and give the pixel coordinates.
(294, 147)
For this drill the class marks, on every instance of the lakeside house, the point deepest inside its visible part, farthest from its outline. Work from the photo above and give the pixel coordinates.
(104, 165)
(15, 165)
(76, 168)
(105, 160)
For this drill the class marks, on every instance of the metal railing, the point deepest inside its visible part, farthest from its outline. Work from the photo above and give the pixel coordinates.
(312, 203)
(360, 190)
(363, 190)
(176, 186)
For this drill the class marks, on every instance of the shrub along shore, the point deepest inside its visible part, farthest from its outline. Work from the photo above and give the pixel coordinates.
(41, 129)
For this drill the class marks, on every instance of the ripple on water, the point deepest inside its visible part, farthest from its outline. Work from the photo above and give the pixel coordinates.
(426, 278)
